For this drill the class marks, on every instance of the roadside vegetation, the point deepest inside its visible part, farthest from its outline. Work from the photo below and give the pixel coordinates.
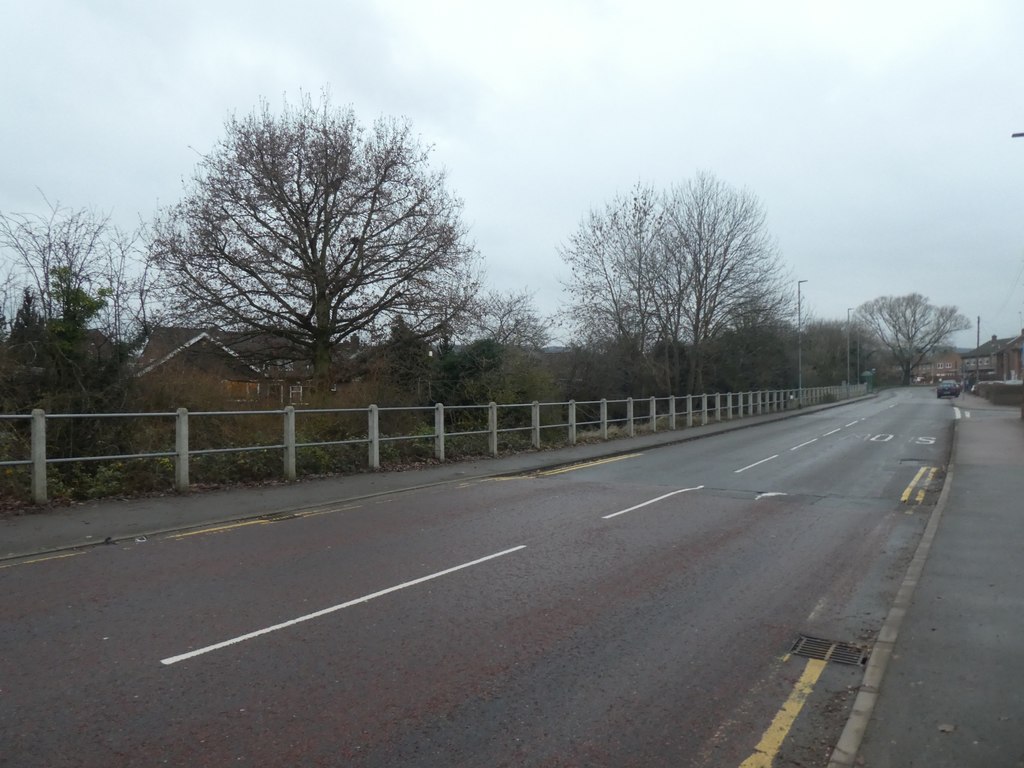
(332, 258)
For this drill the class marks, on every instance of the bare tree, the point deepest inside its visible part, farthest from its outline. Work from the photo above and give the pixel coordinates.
(309, 228)
(614, 257)
(910, 327)
(66, 253)
(511, 319)
(723, 265)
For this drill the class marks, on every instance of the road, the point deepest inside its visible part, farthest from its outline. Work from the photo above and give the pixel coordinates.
(635, 611)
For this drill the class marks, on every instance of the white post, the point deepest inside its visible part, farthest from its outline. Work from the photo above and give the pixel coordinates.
(492, 427)
(373, 435)
(181, 451)
(38, 456)
(703, 410)
(572, 422)
(289, 442)
(672, 412)
(654, 414)
(439, 431)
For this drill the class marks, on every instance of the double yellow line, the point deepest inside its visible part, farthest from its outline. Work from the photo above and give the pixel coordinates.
(584, 465)
(918, 485)
(771, 742)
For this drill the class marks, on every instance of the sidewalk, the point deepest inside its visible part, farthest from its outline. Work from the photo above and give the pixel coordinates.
(82, 525)
(953, 689)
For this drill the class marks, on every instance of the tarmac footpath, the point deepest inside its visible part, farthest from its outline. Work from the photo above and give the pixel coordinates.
(945, 684)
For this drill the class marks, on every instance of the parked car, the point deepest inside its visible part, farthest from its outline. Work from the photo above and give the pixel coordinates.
(947, 388)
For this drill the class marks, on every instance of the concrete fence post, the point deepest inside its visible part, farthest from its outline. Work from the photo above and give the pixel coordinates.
(492, 428)
(604, 418)
(718, 406)
(672, 412)
(38, 456)
(439, 431)
(535, 423)
(689, 410)
(181, 451)
(654, 414)
(572, 422)
(289, 442)
(704, 410)
(373, 436)
(630, 427)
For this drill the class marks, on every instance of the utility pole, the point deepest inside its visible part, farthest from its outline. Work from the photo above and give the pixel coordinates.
(848, 311)
(799, 349)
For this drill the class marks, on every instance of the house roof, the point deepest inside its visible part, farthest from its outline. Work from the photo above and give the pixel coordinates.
(994, 346)
(166, 343)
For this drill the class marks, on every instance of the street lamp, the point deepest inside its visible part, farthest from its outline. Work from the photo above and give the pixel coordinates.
(799, 349)
(848, 311)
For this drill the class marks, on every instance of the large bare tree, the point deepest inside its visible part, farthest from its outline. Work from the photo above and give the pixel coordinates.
(309, 228)
(613, 258)
(665, 274)
(723, 268)
(910, 327)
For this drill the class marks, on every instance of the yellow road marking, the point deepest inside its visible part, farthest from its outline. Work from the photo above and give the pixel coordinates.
(42, 559)
(771, 741)
(921, 485)
(587, 464)
(219, 528)
(910, 488)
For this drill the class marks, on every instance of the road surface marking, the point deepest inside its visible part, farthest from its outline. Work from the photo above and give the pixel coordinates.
(651, 501)
(587, 464)
(769, 494)
(42, 559)
(218, 528)
(852, 423)
(365, 599)
(803, 444)
(921, 485)
(910, 488)
(819, 607)
(771, 741)
(837, 429)
(751, 466)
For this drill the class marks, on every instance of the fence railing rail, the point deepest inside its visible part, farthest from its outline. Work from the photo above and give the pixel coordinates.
(598, 416)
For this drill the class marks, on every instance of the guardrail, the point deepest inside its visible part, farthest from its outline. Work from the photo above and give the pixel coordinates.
(493, 420)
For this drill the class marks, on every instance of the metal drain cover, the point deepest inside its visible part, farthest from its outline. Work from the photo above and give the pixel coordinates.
(829, 650)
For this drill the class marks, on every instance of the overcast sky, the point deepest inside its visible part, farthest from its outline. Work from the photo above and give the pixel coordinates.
(876, 134)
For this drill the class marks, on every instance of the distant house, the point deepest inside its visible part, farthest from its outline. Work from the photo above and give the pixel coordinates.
(995, 360)
(249, 368)
(942, 365)
(188, 352)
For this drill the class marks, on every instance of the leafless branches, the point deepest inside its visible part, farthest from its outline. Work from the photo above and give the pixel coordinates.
(310, 228)
(673, 270)
(910, 328)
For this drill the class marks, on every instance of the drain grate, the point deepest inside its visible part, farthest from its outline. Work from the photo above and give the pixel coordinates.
(829, 650)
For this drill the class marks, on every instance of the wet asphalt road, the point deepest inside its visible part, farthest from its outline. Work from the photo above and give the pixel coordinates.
(631, 612)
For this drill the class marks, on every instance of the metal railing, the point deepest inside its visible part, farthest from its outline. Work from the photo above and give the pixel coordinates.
(493, 420)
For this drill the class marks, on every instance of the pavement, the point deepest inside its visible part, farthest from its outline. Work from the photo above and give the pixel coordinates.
(945, 683)
(949, 692)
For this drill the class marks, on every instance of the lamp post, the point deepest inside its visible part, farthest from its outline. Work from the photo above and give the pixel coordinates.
(799, 349)
(848, 311)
